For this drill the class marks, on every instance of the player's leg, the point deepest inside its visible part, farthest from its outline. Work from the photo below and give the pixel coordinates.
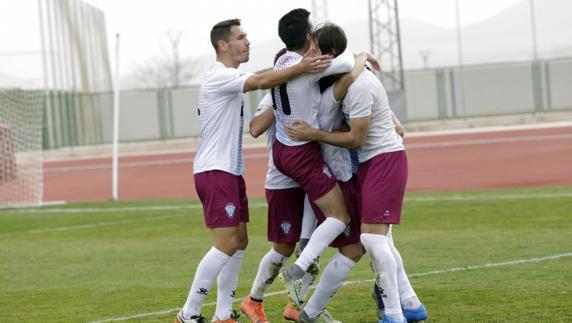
(219, 194)
(335, 273)
(285, 208)
(413, 309)
(227, 279)
(305, 165)
(226, 243)
(309, 223)
(383, 181)
(337, 270)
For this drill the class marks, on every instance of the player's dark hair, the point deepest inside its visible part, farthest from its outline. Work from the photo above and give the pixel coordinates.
(331, 39)
(293, 28)
(221, 31)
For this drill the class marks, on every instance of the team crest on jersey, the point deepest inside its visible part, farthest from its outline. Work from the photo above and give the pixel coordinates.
(326, 171)
(347, 231)
(285, 226)
(229, 208)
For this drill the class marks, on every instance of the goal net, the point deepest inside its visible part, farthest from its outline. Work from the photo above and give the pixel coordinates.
(21, 173)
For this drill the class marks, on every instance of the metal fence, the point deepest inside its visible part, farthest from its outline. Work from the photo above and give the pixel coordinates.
(432, 94)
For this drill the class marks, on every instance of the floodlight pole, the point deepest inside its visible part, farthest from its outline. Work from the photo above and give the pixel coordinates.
(533, 26)
(115, 153)
(458, 22)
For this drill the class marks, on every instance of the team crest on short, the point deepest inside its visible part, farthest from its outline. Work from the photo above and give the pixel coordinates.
(326, 171)
(285, 226)
(387, 213)
(229, 208)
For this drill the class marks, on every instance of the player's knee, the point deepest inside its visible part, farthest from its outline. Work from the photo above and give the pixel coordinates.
(242, 243)
(285, 249)
(353, 252)
(230, 244)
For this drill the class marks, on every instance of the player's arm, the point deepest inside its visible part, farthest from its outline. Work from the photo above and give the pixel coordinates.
(259, 124)
(343, 63)
(398, 126)
(354, 138)
(341, 86)
(310, 63)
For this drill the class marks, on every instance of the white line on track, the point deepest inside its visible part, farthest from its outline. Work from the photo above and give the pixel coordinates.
(428, 273)
(247, 155)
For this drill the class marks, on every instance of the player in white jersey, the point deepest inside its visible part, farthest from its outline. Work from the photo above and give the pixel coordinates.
(218, 165)
(301, 160)
(285, 201)
(382, 178)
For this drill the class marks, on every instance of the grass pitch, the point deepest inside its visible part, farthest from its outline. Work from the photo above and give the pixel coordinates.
(493, 256)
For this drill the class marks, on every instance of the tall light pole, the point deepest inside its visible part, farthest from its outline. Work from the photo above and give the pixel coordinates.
(459, 42)
(533, 26)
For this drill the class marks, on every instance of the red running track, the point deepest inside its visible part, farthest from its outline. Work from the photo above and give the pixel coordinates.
(516, 158)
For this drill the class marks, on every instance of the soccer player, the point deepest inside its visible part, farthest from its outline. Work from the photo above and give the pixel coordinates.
(285, 201)
(301, 160)
(382, 176)
(218, 165)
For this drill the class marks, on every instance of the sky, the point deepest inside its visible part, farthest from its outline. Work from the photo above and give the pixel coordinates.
(143, 24)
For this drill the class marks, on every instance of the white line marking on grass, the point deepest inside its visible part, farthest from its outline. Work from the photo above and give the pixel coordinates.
(487, 197)
(434, 272)
(260, 205)
(119, 209)
(99, 224)
(88, 226)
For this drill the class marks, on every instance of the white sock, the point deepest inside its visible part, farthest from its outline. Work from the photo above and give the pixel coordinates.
(407, 295)
(268, 269)
(207, 270)
(226, 286)
(332, 278)
(308, 220)
(385, 268)
(324, 234)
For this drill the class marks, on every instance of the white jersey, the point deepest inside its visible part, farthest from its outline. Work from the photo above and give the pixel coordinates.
(299, 99)
(367, 97)
(329, 116)
(220, 108)
(275, 180)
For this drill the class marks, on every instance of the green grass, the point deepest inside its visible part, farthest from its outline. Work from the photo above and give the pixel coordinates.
(59, 265)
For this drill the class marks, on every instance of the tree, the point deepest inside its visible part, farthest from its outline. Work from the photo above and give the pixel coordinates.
(168, 70)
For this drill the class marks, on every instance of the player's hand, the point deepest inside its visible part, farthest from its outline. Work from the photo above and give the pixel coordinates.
(300, 130)
(312, 63)
(374, 62)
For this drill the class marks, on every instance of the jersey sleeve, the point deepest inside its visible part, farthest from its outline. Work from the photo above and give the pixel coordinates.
(359, 102)
(264, 104)
(231, 80)
(341, 64)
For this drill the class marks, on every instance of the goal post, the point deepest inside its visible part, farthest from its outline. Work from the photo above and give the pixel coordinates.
(21, 167)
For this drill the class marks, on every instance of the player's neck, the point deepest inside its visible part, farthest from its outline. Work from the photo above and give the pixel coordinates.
(302, 51)
(227, 61)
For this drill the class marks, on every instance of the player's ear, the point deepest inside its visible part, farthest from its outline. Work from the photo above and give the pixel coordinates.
(222, 46)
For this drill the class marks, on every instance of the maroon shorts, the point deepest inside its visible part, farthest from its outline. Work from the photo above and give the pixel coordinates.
(352, 232)
(285, 212)
(224, 198)
(382, 181)
(305, 165)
